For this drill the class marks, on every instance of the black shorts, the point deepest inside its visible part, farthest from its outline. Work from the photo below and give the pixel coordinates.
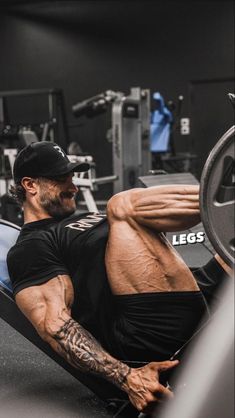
(153, 326)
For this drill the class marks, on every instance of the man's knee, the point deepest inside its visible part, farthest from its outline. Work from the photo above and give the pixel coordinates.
(121, 206)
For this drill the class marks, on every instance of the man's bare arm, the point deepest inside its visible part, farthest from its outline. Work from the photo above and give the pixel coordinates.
(82, 351)
(48, 308)
(163, 208)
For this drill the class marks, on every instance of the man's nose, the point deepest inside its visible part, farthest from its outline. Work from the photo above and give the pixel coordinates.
(73, 188)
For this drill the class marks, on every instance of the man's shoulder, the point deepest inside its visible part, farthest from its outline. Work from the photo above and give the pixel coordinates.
(31, 240)
(26, 245)
(84, 221)
(39, 235)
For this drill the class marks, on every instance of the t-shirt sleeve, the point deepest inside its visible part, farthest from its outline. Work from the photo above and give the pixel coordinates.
(33, 262)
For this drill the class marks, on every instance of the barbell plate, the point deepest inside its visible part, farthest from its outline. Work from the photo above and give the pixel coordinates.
(217, 197)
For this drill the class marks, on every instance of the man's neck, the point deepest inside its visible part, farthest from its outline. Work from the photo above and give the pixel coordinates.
(33, 215)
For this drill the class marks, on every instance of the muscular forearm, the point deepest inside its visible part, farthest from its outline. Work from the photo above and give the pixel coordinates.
(82, 351)
(51, 318)
(167, 208)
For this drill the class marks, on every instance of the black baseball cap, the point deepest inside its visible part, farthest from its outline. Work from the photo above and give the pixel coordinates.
(44, 159)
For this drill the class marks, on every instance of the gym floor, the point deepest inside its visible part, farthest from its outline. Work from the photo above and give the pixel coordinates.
(33, 386)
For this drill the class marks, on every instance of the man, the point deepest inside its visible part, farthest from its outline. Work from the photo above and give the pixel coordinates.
(103, 290)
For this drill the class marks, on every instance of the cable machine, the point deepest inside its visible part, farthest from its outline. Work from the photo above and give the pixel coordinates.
(130, 132)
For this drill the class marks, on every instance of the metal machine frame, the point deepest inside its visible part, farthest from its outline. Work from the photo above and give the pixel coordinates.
(56, 121)
(130, 132)
(131, 138)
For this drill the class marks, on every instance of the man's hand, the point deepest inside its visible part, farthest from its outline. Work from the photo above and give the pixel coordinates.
(143, 387)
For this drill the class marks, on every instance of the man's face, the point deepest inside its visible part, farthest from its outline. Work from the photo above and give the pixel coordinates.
(57, 196)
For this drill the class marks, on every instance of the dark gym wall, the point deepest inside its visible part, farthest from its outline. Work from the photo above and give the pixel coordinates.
(86, 47)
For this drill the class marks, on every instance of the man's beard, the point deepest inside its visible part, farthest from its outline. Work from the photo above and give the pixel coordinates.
(54, 205)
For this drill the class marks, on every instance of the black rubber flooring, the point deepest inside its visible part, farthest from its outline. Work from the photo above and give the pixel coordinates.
(33, 386)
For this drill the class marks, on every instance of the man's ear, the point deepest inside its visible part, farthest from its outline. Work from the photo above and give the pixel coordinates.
(30, 185)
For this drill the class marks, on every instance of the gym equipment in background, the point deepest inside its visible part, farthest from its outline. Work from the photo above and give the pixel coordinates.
(131, 138)
(217, 196)
(9, 209)
(130, 132)
(27, 116)
(165, 122)
(32, 114)
(87, 182)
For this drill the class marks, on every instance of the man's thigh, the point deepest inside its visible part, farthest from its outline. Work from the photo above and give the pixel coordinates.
(139, 260)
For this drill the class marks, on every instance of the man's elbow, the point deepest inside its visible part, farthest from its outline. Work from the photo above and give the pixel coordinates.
(46, 329)
(55, 328)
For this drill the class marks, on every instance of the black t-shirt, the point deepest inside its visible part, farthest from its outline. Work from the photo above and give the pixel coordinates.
(74, 246)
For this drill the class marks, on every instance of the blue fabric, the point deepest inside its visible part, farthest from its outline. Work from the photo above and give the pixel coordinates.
(160, 126)
(8, 237)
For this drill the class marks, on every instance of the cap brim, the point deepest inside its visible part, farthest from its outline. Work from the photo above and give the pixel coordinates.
(78, 167)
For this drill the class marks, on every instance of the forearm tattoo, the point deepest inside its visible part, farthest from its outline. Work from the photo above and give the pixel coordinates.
(81, 350)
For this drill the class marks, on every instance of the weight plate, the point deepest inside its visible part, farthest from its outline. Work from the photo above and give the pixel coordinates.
(217, 196)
